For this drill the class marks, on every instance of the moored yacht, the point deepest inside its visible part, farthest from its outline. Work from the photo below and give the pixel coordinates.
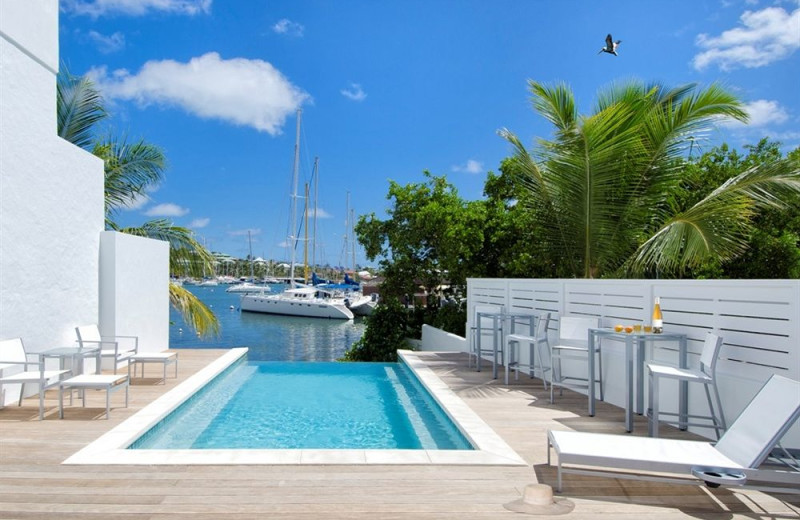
(311, 302)
(299, 301)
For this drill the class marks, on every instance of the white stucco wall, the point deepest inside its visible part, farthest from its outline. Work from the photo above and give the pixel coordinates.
(134, 289)
(51, 193)
(437, 340)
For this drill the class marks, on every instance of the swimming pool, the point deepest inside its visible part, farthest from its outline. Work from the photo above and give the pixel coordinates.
(285, 405)
(112, 447)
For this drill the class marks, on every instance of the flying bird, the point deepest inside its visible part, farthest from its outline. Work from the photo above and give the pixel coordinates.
(611, 46)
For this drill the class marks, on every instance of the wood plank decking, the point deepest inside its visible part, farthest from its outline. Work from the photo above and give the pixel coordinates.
(35, 485)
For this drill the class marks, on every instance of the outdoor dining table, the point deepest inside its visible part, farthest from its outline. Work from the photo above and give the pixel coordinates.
(75, 354)
(498, 332)
(639, 339)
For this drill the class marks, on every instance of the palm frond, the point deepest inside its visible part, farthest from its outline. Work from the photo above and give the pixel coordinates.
(717, 227)
(79, 108)
(555, 103)
(194, 312)
(130, 169)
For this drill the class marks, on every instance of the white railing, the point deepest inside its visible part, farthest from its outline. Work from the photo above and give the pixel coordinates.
(759, 321)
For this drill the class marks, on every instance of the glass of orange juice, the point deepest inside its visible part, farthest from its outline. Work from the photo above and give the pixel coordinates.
(648, 329)
(637, 327)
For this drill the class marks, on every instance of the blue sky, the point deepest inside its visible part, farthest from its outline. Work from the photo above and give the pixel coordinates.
(389, 89)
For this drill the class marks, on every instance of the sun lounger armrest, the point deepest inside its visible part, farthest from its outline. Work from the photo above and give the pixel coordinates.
(101, 342)
(23, 363)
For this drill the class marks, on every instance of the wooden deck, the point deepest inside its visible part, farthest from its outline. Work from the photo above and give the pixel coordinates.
(35, 485)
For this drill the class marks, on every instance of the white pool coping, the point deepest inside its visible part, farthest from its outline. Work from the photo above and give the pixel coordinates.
(110, 448)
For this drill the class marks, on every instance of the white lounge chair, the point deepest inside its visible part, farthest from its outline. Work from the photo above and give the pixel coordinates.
(734, 460)
(12, 354)
(89, 335)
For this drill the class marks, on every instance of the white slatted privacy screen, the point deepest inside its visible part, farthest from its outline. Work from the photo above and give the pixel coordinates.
(759, 321)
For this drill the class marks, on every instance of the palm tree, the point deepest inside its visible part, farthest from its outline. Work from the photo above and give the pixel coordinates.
(130, 169)
(601, 187)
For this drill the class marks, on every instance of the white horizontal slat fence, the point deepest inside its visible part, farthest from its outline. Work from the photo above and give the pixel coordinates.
(759, 321)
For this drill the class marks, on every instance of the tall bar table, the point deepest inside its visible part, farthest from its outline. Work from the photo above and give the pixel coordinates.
(639, 339)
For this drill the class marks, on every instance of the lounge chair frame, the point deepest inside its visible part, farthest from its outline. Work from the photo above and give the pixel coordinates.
(737, 459)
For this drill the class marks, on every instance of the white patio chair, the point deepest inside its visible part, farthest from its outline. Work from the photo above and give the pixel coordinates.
(573, 343)
(486, 345)
(705, 376)
(110, 347)
(735, 460)
(108, 382)
(12, 354)
(538, 344)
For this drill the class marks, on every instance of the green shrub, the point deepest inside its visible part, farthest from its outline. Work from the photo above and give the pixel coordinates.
(387, 330)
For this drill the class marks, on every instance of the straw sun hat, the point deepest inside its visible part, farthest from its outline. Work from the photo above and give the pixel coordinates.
(537, 499)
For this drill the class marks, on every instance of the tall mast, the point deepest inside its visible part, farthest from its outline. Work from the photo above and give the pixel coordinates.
(346, 230)
(316, 193)
(353, 239)
(305, 242)
(250, 241)
(293, 228)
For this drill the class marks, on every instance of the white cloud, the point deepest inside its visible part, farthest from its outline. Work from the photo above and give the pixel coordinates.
(108, 44)
(239, 91)
(321, 213)
(355, 92)
(166, 210)
(765, 36)
(199, 223)
(97, 8)
(761, 112)
(471, 166)
(288, 27)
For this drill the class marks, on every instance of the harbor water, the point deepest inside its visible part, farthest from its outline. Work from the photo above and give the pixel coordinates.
(268, 337)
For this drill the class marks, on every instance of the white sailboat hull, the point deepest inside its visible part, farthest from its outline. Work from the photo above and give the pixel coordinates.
(289, 304)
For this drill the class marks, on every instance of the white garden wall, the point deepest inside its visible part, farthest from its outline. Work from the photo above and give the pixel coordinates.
(759, 321)
(134, 289)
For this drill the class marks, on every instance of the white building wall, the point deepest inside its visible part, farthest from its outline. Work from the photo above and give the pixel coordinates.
(52, 212)
(134, 289)
(51, 193)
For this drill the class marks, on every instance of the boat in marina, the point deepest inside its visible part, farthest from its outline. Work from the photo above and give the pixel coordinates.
(298, 299)
(249, 286)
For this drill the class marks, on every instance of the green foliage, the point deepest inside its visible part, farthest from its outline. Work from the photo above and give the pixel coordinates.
(430, 238)
(451, 317)
(773, 241)
(387, 330)
(601, 192)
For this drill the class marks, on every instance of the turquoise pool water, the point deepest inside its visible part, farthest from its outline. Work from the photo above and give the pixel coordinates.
(286, 405)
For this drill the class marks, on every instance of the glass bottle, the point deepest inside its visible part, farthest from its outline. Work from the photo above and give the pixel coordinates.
(658, 319)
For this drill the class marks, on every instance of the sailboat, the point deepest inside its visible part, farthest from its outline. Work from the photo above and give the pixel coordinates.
(358, 303)
(297, 299)
(249, 287)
